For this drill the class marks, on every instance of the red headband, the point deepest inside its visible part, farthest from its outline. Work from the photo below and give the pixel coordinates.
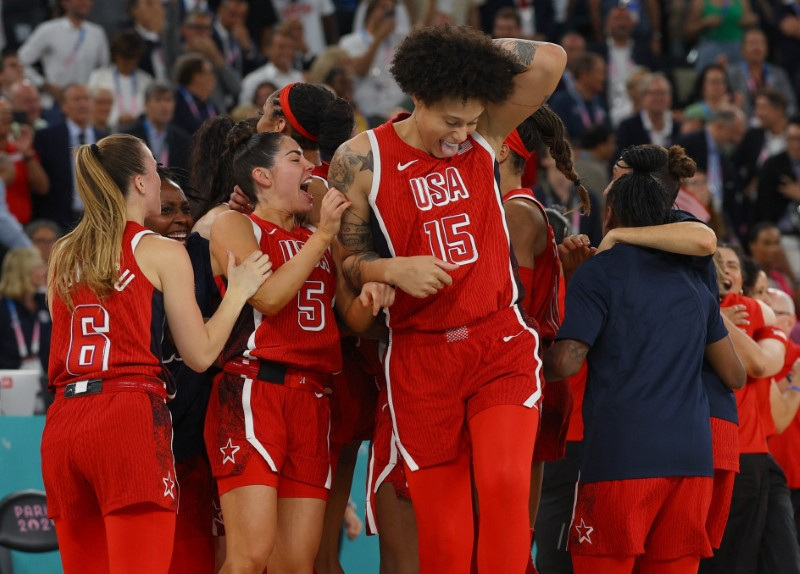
(515, 142)
(287, 111)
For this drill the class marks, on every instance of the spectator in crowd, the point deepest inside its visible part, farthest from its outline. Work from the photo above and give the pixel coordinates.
(787, 15)
(126, 82)
(29, 176)
(763, 243)
(55, 146)
(593, 158)
(575, 46)
(719, 27)
(232, 37)
(169, 143)
(708, 147)
(341, 81)
(695, 197)
(67, 48)
(332, 57)
(196, 30)
(11, 232)
(583, 106)
(655, 124)
(43, 233)
(778, 193)
(102, 107)
(24, 318)
(194, 75)
(624, 54)
(755, 73)
(712, 91)
(762, 142)
(278, 70)
(317, 19)
(376, 92)
(646, 17)
(161, 42)
(507, 23)
(11, 70)
(27, 105)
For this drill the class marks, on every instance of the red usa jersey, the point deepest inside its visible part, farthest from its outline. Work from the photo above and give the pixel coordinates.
(118, 337)
(449, 208)
(304, 333)
(542, 293)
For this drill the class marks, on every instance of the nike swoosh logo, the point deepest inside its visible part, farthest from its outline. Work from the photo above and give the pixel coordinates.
(402, 166)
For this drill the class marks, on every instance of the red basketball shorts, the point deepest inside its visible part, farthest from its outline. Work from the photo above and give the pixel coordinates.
(354, 398)
(286, 427)
(439, 381)
(664, 518)
(725, 444)
(551, 442)
(112, 447)
(385, 465)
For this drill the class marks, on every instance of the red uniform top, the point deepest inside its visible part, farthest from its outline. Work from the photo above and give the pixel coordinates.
(116, 338)
(449, 208)
(752, 434)
(303, 334)
(542, 301)
(18, 192)
(784, 446)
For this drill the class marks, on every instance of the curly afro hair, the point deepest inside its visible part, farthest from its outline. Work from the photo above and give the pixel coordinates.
(453, 62)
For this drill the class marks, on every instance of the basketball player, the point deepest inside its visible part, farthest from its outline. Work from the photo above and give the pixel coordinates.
(107, 461)
(631, 457)
(268, 422)
(461, 361)
(198, 521)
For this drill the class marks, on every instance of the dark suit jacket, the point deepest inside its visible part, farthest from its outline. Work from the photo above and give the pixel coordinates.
(745, 158)
(631, 132)
(53, 146)
(179, 143)
(770, 203)
(733, 205)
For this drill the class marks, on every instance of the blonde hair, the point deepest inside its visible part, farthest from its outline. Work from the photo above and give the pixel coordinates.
(90, 254)
(15, 281)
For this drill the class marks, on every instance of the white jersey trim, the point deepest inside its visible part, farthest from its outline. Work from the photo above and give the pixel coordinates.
(373, 484)
(484, 144)
(249, 427)
(257, 316)
(138, 237)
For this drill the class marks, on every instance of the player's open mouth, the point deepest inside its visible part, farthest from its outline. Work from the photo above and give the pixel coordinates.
(304, 190)
(449, 149)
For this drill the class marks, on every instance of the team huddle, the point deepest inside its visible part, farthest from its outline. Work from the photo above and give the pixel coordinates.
(403, 287)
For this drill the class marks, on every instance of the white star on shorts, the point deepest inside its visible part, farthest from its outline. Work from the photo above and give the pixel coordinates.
(229, 452)
(169, 485)
(584, 532)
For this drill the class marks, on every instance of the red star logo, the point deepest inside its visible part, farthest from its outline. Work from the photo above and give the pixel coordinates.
(229, 452)
(584, 532)
(169, 485)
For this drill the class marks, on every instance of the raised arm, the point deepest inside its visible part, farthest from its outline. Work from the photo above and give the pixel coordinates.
(351, 172)
(683, 238)
(539, 69)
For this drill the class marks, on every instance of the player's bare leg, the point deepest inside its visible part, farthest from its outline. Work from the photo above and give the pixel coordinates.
(299, 532)
(327, 561)
(397, 536)
(250, 528)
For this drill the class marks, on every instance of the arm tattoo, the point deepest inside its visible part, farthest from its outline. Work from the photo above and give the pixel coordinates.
(521, 52)
(352, 268)
(345, 165)
(577, 351)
